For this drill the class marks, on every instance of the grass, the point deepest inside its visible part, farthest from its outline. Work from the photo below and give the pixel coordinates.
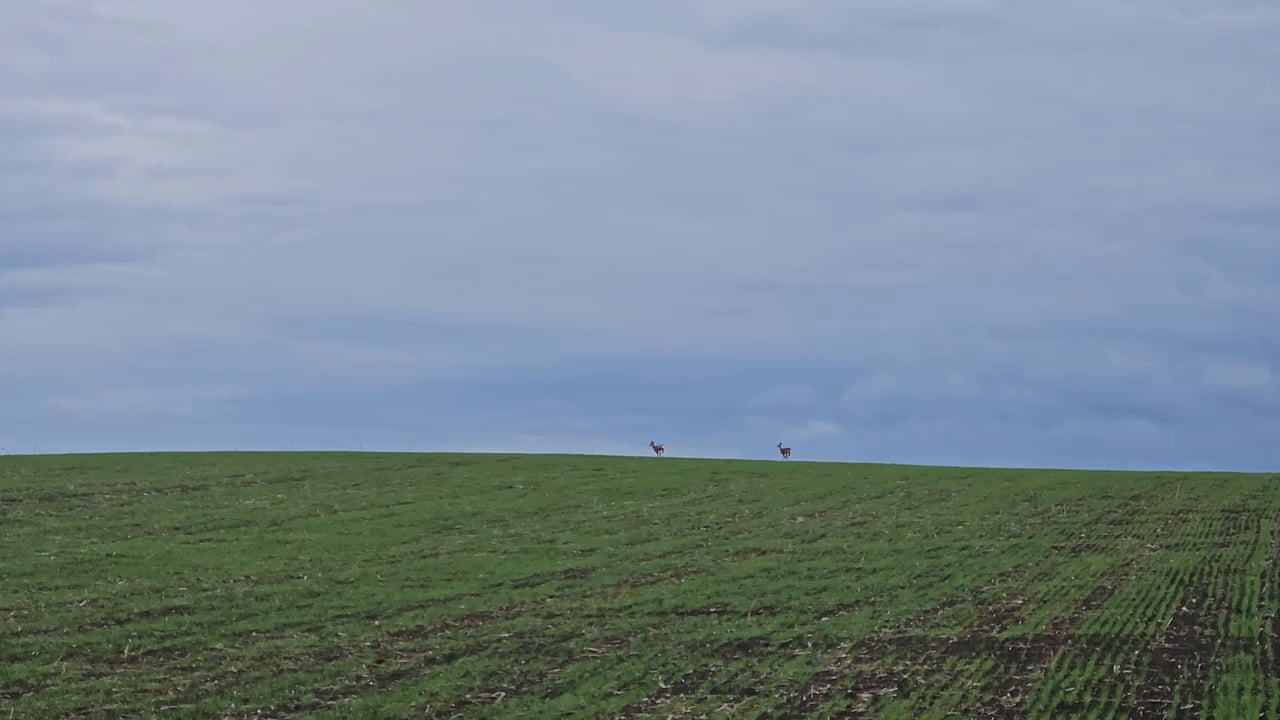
(393, 586)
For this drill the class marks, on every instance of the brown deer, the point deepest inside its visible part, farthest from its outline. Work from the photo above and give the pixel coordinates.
(786, 452)
(658, 449)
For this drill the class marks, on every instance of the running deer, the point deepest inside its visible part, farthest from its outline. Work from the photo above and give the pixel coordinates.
(786, 452)
(657, 448)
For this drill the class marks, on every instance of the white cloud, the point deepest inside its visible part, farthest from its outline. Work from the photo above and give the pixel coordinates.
(150, 401)
(784, 396)
(139, 159)
(813, 431)
(1246, 378)
(887, 386)
(684, 79)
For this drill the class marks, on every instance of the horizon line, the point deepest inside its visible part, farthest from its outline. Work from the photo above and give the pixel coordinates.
(878, 463)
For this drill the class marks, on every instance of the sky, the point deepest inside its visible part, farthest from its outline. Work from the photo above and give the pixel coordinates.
(977, 232)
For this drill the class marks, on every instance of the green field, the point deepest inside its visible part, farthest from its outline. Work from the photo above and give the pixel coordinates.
(396, 586)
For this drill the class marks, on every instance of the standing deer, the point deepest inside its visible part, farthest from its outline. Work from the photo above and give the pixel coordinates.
(786, 452)
(657, 448)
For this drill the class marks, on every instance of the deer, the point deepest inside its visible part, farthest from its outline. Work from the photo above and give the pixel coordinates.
(658, 448)
(786, 452)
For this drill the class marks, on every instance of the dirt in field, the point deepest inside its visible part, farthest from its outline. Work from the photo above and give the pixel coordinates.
(561, 575)
(849, 608)
(1021, 662)
(657, 578)
(860, 675)
(1180, 657)
(400, 657)
(1182, 654)
(140, 616)
(922, 665)
(668, 692)
(755, 552)
(482, 617)
(520, 684)
(1269, 594)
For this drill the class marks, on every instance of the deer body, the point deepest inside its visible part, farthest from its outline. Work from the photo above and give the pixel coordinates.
(786, 451)
(658, 449)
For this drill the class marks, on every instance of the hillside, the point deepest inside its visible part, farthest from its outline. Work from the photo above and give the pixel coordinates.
(391, 586)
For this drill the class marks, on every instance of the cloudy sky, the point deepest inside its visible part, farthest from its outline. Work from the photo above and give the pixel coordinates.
(936, 231)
